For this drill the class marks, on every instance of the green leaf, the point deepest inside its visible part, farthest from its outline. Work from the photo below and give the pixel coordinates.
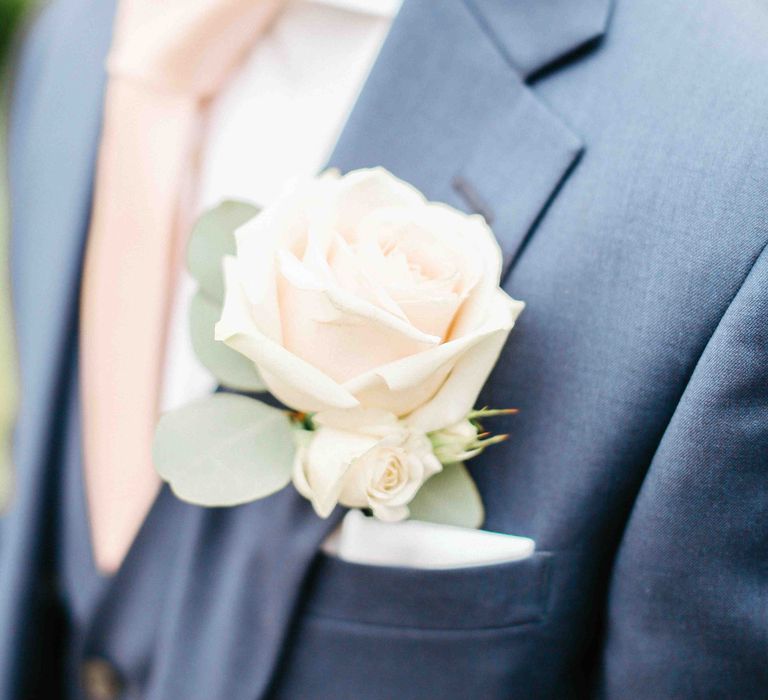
(212, 238)
(230, 368)
(224, 450)
(450, 498)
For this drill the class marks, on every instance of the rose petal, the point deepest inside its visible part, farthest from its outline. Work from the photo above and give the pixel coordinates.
(292, 380)
(488, 258)
(390, 514)
(258, 240)
(328, 458)
(369, 421)
(353, 274)
(432, 315)
(402, 386)
(362, 191)
(458, 394)
(340, 334)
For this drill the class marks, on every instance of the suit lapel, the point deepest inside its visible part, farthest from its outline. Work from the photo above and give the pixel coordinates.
(447, 109)
(533, 35)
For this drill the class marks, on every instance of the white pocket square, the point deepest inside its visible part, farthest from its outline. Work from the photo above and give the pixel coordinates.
(421, 545)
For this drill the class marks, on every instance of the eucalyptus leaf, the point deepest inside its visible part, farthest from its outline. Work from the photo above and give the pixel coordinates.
(212, 238)
(230, 368)
(450, 498)
(224, 450)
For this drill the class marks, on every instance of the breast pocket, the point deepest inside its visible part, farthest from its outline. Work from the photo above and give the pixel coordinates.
(379, 632)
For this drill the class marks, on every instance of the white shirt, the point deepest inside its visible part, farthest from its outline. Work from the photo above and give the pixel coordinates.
(279, 118)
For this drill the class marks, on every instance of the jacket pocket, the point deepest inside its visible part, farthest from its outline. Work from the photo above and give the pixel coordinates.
(379, 632)
(498, 595)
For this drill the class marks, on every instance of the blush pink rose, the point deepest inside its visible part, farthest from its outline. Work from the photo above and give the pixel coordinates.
(354, 292)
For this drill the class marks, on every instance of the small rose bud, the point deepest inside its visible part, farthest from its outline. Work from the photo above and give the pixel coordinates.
(465, 439)
(456, 443)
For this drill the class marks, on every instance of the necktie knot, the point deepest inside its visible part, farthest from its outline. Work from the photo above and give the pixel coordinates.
(187, 47)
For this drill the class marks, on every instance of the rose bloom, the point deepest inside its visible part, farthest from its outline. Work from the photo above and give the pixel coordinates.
(376, 462)
(354, 292)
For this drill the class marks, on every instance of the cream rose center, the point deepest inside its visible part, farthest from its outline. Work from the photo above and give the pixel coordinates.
(390, 477)
(388, 286)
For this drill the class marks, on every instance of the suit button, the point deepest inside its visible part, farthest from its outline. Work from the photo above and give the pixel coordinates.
(101, 681)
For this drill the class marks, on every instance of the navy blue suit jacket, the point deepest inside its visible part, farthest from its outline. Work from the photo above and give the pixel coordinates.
(620, 151)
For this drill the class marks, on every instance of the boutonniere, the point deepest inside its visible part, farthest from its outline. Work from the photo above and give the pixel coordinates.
(374, 317)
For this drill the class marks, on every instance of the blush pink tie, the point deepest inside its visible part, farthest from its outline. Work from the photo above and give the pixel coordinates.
(168, 60)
